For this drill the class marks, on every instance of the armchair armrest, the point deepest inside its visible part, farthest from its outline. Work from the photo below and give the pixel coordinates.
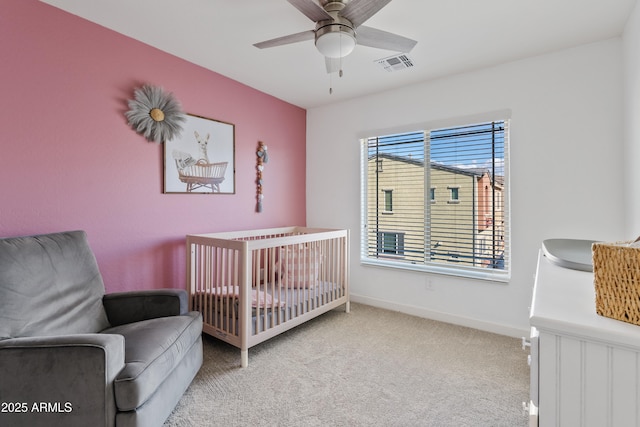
(60, 380)
(134, 306)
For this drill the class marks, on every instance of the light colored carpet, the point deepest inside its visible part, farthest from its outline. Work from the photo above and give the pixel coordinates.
(369, 367)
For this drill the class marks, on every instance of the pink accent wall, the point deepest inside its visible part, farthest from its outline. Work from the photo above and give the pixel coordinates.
(68, 159)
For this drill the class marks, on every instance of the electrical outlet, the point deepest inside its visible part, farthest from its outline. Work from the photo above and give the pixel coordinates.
(428, 284)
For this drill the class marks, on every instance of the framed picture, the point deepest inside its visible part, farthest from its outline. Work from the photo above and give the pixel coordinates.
(202, 159)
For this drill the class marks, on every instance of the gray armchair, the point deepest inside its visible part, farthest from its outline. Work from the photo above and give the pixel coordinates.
(72, 356)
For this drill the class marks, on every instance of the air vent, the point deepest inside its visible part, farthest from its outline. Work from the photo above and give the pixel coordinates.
(396, 62)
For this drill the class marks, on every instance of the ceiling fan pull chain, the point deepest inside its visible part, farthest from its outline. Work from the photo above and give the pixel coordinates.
(340, 72)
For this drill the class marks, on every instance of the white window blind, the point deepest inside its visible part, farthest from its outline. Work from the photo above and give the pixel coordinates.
(450, 212)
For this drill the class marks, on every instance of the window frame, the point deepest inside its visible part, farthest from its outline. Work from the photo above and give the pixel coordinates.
(388, 200)
(454, 194)
(398, 243)
(489, 274)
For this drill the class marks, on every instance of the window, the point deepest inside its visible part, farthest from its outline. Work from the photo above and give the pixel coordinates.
(455, 194)
(388, 200)
(468, 234)
(389, 243)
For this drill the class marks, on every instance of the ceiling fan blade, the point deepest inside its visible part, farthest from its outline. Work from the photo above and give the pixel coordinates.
(310, 9)
(358, 11)
(333, 64)
(291, 38)
(372, 37)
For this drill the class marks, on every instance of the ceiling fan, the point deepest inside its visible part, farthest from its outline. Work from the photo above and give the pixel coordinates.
(339, 28)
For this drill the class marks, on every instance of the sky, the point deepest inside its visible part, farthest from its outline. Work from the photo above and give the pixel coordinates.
(462, 147)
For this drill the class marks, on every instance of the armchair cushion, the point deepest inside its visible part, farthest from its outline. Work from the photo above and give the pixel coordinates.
(60, 287)
(153, 349)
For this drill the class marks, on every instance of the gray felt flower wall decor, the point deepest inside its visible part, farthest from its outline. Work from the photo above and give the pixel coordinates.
(155, 114)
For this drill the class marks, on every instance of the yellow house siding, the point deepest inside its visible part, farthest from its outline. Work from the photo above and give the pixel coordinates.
(452, 237)
(452, 220)
(406, 181)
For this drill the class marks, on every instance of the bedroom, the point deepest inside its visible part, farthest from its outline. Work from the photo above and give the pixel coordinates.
(70, 161)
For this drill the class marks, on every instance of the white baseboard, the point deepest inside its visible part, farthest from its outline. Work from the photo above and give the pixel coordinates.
(442, 317)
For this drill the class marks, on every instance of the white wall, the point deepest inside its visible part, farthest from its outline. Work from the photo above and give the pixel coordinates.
(566, 174)
(631, 49)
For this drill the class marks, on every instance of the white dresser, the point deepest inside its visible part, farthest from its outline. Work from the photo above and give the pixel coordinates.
(585, 369)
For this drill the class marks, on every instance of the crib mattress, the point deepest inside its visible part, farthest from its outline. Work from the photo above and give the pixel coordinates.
(273, 304)
(269, 297)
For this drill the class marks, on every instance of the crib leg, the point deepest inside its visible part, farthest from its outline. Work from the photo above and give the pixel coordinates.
(347, 307)
(244, 358)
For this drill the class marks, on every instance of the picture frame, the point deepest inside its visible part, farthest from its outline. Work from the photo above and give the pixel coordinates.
(201, 160)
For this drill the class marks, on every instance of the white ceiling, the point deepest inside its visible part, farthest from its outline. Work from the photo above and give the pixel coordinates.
(453, 36)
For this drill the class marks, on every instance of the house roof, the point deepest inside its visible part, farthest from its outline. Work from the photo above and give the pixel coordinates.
(476, 172)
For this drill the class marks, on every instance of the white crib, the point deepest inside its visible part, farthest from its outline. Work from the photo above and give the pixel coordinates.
(253, 285)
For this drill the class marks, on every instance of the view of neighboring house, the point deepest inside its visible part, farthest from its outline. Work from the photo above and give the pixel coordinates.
(464, 212)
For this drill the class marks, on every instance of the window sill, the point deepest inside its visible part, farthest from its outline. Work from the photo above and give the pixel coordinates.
(470, 273)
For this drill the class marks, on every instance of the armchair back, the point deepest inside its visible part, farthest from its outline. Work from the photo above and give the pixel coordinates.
(50, 285)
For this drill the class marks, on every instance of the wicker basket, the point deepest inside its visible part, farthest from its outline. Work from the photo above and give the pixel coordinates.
(616, 272)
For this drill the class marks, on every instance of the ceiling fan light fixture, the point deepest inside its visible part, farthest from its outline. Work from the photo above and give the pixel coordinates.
(335, 41)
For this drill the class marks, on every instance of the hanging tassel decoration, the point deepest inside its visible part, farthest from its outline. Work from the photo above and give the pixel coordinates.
(262, 158)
